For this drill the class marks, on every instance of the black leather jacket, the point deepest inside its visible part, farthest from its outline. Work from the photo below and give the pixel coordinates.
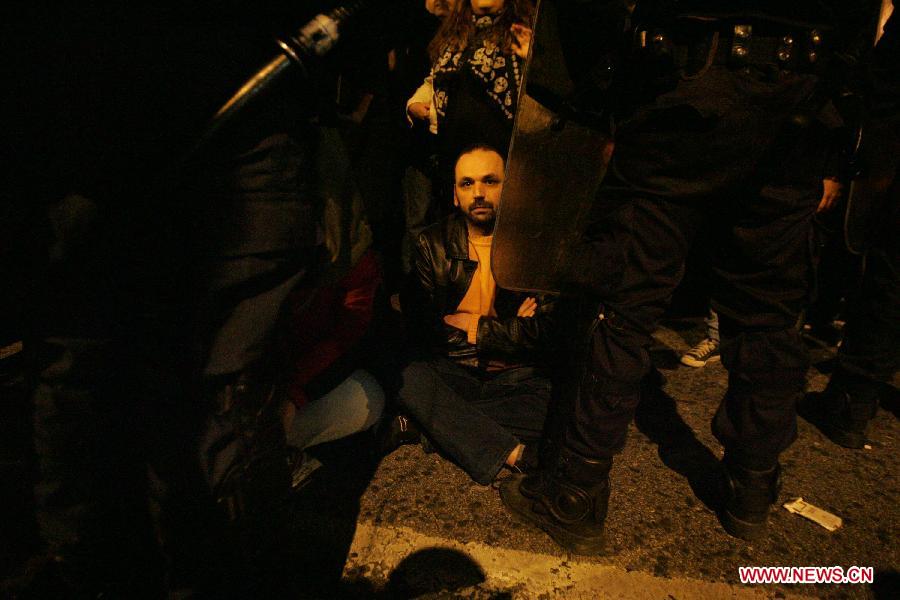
(441, 275)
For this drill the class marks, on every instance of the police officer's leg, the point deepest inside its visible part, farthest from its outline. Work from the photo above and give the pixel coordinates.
(869, 355)
(762, 280)
(266, 246)
(646, 239)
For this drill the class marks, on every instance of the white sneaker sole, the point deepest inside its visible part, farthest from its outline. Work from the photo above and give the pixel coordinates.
(693, 362)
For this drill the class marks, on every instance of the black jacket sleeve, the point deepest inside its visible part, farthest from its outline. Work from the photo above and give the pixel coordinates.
(424, 304)
(517, 337)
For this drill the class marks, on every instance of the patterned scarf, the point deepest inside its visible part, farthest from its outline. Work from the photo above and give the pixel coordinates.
(485, 58)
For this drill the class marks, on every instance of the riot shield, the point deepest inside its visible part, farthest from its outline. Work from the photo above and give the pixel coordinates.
(557, 155)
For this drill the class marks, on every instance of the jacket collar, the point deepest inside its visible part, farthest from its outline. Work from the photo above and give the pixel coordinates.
(457, 237)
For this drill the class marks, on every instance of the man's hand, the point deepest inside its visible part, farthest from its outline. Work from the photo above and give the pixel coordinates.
(522, 41)
(528, 308)
(419, 110)
(459, 320)
(831, 193)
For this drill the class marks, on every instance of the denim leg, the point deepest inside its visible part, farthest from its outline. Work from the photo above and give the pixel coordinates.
(353, 406)
(442, 398)
(517, 400)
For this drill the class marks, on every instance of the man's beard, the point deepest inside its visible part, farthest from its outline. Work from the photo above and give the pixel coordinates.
(485, 221)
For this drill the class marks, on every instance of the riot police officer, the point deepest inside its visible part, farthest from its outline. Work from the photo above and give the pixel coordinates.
(717, 104)
(153, 277)
(870, 353)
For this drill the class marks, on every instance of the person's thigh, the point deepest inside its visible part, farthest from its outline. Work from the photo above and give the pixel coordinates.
(518, 400)
(461, 380)
(763, 270)
(353, 406)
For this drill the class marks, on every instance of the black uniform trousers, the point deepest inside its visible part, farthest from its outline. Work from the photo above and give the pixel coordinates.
(871, 343)
(723, 146)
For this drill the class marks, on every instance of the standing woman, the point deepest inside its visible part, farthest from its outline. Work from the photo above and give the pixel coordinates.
(478, 61)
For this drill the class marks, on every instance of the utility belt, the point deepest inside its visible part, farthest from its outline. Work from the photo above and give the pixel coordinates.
(692, 45)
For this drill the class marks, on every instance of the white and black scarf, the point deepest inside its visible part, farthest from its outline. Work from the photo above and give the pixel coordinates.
(501, 74)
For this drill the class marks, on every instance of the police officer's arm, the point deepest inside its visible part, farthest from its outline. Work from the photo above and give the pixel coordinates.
(516, 336)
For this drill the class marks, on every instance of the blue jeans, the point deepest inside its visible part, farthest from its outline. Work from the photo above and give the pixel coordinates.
(353, 406)
(475, 418)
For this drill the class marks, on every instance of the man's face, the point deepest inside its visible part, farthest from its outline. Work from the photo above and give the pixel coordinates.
(486, 7)
(478, 181)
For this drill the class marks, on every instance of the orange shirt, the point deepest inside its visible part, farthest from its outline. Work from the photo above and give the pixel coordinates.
(479, 298)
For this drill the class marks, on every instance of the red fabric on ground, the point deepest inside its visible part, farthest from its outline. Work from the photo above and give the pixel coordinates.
(323, 328)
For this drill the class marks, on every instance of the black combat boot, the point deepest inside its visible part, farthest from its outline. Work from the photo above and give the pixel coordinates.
(843, 411)
(749, 493)
(567, 498)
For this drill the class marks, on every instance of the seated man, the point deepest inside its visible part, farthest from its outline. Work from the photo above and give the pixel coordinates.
(473, 384)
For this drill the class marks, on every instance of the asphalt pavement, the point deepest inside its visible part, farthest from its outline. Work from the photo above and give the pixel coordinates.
(424, 529)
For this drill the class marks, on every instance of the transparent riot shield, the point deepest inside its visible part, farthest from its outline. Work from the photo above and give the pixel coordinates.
(557, 156)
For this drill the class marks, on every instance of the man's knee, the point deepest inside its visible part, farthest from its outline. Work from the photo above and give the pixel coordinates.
(417, 376)
(370, 395)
